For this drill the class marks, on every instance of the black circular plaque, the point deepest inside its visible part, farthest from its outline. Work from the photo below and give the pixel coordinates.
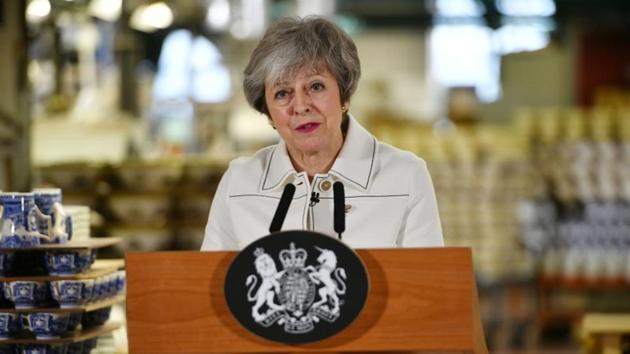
(296, 286)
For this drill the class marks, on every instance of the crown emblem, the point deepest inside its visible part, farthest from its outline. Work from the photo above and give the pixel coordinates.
(293, 257)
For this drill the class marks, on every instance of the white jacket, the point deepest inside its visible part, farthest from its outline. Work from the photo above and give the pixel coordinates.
(390, 201)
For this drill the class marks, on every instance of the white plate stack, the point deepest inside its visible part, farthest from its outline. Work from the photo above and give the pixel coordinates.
(80, 216)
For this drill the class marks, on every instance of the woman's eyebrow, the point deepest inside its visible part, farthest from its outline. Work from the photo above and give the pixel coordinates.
(308, 77)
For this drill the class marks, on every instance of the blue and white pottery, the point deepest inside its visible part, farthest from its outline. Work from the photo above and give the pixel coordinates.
(111, 280)
(41, 349)
(9, 325)
(74, 320)
(88, 294)
(100, 288)
(69, 228)
(26, 294)
(46, 325)
(19, 218)
(53, 223)
(85, 259)
(121, 280)
(6, 263)
(96, 317)
(71, 293)
(68, 262)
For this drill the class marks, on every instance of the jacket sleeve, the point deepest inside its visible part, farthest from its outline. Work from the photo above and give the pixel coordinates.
(422, 227)
(219, 234)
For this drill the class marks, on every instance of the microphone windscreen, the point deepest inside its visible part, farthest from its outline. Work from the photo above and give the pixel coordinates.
(339, 207)
(283, 208)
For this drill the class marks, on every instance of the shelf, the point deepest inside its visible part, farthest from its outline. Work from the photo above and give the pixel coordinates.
(90, 243)
(105, 303)
(87, 307)
(72, 338)
(99, 268)
(582, 283)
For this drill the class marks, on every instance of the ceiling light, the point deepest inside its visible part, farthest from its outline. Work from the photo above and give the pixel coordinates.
(218, 16)
(106, 10)
(37, 11)
(149, 18)
(459, 8)
(526, 7)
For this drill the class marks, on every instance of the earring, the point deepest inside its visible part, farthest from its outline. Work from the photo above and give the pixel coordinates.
(344, 109)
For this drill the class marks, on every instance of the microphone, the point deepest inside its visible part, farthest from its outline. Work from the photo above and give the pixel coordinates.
(283, 208)
(314, 199)
(339, 208)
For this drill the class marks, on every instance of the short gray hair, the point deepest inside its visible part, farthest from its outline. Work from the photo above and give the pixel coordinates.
(292, 44)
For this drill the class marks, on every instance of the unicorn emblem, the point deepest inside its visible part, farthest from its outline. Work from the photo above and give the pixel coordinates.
(322, 274)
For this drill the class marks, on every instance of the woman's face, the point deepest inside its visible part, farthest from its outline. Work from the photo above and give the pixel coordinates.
(306, 111)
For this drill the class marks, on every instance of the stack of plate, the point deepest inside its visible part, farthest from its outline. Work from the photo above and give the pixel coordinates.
(80, 218)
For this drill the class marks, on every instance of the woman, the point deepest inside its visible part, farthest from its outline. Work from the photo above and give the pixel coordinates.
(301, 76)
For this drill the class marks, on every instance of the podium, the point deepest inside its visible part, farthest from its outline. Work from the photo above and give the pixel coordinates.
(421, 300)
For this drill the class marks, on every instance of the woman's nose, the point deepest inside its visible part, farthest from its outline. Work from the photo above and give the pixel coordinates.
(302, 103)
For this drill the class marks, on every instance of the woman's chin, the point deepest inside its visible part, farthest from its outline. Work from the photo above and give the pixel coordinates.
(311, 147)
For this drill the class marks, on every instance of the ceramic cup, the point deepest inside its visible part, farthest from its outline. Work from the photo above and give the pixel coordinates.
(26, 294)
(19, 220)
(96, 317)
(121, 280)
(6, 263)
(52, 220)
(98, 291)
(40, 349)
(69, 262)
(9, 324)
(46, 325)
(71, 293)
(74, 320)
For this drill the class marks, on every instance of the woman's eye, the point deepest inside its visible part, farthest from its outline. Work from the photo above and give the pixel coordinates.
(317, 86)
(281, 94)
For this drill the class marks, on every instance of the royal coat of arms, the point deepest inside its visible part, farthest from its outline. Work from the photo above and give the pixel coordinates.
(299, 295)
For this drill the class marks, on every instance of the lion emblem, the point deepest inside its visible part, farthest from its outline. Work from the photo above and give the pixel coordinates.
(269, 286)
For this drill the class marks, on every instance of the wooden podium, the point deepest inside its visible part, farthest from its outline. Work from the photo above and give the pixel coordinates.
(420, 300)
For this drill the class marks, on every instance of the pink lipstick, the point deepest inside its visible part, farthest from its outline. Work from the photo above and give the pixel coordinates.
(308, 127)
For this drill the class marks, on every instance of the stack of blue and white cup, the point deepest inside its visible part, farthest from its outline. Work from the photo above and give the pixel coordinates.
(30, 219)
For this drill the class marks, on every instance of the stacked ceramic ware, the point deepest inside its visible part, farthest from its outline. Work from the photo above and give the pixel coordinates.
(49, 292)
(34, 218)
(80, 219)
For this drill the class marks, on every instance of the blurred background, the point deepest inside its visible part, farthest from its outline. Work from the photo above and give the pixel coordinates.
(520, 107)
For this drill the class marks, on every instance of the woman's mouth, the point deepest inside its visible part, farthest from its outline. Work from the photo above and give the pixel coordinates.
(307, 128)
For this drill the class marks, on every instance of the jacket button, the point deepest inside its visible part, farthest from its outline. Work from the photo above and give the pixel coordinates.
(325, 185)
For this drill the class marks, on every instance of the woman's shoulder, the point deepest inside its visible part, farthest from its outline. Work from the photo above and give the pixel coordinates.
(245, 173)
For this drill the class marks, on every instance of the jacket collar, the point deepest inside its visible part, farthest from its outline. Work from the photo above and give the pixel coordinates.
(354, 164)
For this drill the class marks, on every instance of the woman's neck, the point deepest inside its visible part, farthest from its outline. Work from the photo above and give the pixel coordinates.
(315, 162)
